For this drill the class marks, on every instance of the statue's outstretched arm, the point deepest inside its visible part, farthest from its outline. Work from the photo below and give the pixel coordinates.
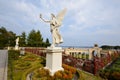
(43, 19)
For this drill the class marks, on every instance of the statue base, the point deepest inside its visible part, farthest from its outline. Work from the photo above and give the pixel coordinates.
(8, 48)
(16, 47)
(54, 59)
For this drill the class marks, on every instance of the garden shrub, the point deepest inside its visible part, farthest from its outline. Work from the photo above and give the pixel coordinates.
(112, 72)
(58, 75)
(67, 74)
(71, 69)
(116, 75)
(43, 61)
(13, 55)
(43, 72)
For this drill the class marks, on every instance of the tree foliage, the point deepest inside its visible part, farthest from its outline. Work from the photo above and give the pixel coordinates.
(22, 41)
(34, 39)
(47, 43)
(106, 47)
(7, 38)
(112, 72)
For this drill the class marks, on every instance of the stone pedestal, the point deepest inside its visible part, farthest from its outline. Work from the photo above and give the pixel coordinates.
(16, 47)
(54, 59)
(22, 51)
(8, 48)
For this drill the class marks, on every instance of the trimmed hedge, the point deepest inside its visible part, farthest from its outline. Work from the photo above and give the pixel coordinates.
(44, 74)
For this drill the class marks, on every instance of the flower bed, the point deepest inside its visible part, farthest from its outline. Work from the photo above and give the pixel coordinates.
(44, 74)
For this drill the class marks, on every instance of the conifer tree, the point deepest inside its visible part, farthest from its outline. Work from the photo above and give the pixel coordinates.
(35, 39)
(22, 41)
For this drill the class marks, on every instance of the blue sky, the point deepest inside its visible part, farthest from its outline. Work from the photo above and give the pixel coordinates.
(86, 22)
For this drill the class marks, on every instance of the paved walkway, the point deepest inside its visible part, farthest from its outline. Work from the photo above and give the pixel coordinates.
(3, 64)
(28, 77)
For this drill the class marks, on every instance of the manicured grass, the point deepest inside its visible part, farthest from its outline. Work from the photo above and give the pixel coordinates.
(87, 76)
(19, 67)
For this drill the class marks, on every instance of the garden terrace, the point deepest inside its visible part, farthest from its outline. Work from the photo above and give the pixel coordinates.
(19, 66)
(92, 66)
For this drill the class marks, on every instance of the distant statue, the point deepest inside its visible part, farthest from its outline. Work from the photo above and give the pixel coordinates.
(55, 23)
(17, 41)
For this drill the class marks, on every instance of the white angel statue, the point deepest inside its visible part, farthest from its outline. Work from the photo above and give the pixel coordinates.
(55, 23)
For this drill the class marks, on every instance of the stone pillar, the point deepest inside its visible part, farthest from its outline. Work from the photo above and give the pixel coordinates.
(99, 52)
(22, 51)
(85, 55)
(80, 55)
(90, 54)
(54, 59)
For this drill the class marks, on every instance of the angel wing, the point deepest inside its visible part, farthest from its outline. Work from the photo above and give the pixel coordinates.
(61, 15)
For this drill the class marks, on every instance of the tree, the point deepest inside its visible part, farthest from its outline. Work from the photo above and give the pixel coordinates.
(22, 41)
(7, 38)
(35, 39)
(30, 39)
(11, 38)
(39, 39)
(47, 43)
(107, 47)
(116, 47)
(110, 47)
(3, 38)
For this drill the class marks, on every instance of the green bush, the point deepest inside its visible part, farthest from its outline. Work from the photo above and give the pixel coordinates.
(116, 75)
(43, 72)
(112, 72)
(67, 74)
(13, 55)
(43, 61)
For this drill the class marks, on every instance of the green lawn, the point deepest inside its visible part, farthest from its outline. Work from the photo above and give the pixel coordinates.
(19, 67)
(87, 76)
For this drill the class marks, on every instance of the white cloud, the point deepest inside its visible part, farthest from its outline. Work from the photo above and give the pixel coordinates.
(83, 18)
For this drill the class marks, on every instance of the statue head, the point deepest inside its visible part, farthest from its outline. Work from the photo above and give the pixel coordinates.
(52, 15)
